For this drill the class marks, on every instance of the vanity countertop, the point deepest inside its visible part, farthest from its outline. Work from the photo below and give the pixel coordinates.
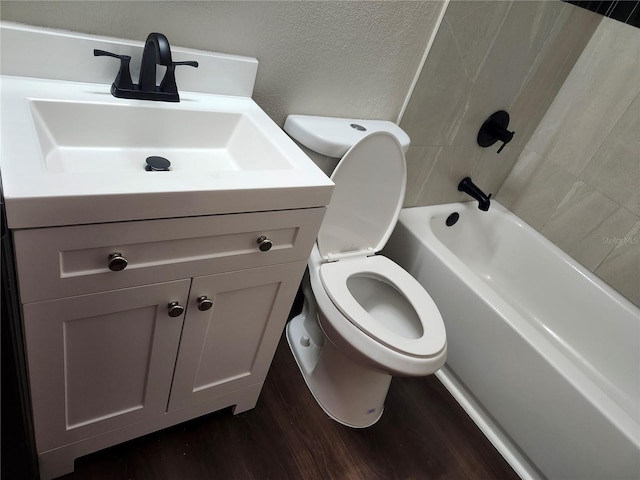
(53, 132)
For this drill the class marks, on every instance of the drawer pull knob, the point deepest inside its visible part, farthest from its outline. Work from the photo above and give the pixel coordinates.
(264, 244)
(175, 309)
(117, 262)
(204, 303)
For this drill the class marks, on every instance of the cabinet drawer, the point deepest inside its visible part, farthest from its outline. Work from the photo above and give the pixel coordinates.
(64, 261)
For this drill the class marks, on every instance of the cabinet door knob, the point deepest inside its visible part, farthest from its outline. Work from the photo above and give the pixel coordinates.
(204, 303)
(117, 262)
(264, 244)
(175, 309)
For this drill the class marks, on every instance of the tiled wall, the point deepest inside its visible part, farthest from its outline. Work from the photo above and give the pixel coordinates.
(578, 178)
(625, 11)
(487, 56)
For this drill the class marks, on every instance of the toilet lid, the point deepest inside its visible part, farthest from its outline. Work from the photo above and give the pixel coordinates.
(431, 340)
(369, 190)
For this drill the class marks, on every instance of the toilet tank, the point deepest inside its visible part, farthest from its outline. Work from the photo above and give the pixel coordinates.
(332, 137)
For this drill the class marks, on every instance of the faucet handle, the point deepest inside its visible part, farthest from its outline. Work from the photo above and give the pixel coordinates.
(189, 63)
(505, 142)
(123, 78)
(494, 129)
(503, 135)
(168, 84)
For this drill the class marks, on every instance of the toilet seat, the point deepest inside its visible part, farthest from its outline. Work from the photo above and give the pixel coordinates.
(370, 183)
(334, 277)
(358, 223)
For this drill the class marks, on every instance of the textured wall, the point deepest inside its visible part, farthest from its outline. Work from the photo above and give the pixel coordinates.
(578, 179)
(487, 56)
(351, 59)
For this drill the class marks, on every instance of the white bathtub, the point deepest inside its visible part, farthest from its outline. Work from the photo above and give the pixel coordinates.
(542, 354)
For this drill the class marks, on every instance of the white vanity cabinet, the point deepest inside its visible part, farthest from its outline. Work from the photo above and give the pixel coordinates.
(189, 326)
(113, 260)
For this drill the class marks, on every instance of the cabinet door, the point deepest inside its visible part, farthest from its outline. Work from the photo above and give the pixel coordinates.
(230, 346)
(101, 361)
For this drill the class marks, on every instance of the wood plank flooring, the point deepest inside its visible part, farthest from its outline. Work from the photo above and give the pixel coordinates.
(423, 434)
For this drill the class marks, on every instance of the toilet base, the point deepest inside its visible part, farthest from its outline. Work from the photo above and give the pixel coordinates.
(350, 393)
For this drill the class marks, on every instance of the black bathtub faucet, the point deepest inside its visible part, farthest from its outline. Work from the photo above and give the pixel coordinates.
(467, 186)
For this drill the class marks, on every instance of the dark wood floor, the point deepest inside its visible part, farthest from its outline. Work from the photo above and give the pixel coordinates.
(423, 434)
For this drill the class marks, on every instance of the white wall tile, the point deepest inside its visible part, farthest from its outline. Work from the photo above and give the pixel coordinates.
(595, 95)
(488, 56)
(450, 164)
(582, 220)
(621, 268)
(591, 134)
(614, 169)
(420, 161)
(520, 40)
(535, 188)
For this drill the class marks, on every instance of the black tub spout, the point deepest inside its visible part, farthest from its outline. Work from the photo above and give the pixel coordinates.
(467, 186)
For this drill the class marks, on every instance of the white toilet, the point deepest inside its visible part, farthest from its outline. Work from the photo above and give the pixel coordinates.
(364, 319)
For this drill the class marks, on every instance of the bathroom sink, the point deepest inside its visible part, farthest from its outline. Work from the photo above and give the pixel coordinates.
(104, 138)
(71, 154)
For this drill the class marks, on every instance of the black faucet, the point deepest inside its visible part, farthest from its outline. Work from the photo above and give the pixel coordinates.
(466, 185)
(494, 129)
(157, 51)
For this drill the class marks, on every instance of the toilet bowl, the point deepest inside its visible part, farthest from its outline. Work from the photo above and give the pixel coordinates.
(364, 319)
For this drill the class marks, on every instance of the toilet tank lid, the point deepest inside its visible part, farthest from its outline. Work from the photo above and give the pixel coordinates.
(333, 136)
